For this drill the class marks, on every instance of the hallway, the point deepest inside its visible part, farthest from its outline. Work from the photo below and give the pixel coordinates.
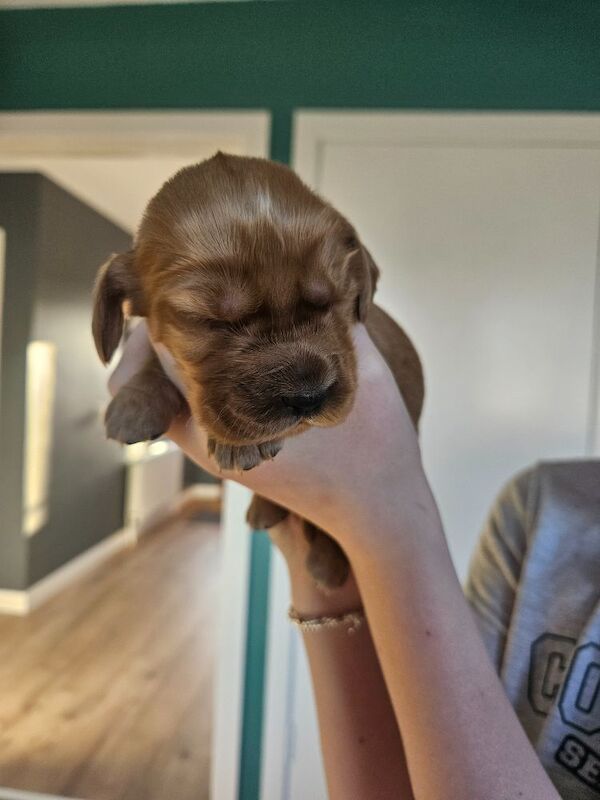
(106, 691)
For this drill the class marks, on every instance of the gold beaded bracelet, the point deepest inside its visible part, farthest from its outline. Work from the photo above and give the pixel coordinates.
(351, 620)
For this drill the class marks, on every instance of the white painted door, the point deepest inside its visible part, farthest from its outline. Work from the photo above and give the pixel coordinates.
(486, 232)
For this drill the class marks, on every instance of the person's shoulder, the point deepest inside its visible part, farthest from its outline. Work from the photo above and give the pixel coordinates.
(570, 484)
(504, 539)
(535, 508)
(582, 472)
(530, 503)
(573, 479)
(534, 499)
(518, 498)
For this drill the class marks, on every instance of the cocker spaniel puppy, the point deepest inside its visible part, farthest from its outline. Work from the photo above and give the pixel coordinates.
(253, 283)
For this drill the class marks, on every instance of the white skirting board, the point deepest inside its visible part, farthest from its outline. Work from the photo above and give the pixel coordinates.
(21, 602)
(15, 794)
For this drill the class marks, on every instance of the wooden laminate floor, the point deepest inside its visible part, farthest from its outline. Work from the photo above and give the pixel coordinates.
(105, 691)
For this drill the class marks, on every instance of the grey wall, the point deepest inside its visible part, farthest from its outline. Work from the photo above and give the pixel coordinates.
(54, 245)
(20, 216)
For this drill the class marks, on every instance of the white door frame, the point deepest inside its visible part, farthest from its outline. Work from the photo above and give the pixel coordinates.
(29, 137)
(313, 132)
(131, 133)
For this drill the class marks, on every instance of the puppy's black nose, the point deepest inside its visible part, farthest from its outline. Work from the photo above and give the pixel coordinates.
(304, 404)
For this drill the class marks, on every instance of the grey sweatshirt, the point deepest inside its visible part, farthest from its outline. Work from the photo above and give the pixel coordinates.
(534, 585)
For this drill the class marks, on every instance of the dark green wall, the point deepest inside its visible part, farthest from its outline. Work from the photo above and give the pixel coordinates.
(479, 54)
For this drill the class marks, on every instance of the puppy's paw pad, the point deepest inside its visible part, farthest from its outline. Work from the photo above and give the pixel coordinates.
(242, 457)
(133, 416)
(236, 457)
(326, 561)
(269, 450)
(262, 514)
(329, 576)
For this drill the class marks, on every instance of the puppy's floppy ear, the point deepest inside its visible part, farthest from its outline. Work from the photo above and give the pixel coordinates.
(116, 282)
(367, 281)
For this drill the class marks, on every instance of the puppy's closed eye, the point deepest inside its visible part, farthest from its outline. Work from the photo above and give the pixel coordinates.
(187, 301)
(318, 295)
(233, 306)
(314, 310)
(231, 324)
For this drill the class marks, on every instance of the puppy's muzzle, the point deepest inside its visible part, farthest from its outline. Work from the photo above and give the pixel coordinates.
(305, 404)
(304, 386)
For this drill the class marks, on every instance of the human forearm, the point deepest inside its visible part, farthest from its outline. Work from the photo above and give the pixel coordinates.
(461, 736)
(362, 481)
(360, 740)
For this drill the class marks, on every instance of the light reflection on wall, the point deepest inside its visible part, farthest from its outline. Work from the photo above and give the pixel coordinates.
(41, 387)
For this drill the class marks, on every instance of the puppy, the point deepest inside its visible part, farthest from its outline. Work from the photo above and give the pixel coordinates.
(253, 283)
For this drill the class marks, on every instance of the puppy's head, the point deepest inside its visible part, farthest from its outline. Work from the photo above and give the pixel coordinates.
(253, 283)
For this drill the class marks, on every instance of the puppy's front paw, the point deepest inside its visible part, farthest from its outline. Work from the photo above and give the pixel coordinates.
(136, 416)
(262, 514)
(242, 457)
(326, 561)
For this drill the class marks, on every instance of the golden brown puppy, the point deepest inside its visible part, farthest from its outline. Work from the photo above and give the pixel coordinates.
(253, 283)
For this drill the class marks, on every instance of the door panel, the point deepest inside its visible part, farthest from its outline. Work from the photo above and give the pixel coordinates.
(485, 228)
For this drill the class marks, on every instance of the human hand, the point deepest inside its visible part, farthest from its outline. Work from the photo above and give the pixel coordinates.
(308, 597)
(340, 478)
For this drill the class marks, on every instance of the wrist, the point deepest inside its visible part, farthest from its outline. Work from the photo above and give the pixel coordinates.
(394, 520)
(310, 600)
(307, 597)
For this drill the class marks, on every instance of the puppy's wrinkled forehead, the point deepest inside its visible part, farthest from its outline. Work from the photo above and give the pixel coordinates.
(232, 235)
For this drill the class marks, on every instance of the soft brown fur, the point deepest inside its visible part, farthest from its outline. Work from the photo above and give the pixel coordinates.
(253, 283)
